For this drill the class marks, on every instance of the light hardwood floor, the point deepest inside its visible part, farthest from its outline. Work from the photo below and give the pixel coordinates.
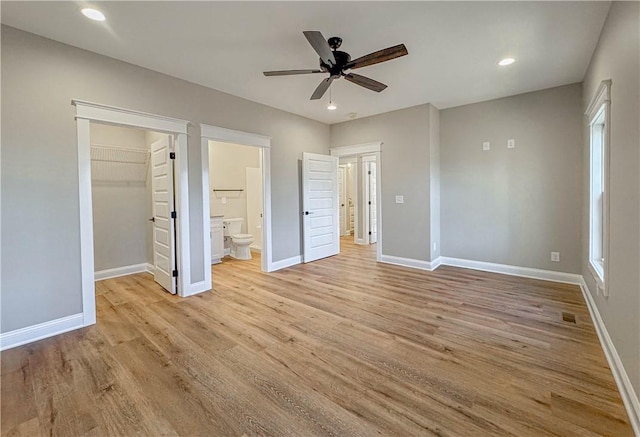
(342, 347)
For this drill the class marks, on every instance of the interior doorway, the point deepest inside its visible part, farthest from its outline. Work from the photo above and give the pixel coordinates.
(133, 199)
(236, 202)
(88, 113)
(360, 193)
(262, 145)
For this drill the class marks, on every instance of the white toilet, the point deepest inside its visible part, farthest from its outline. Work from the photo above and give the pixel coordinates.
(239, 247)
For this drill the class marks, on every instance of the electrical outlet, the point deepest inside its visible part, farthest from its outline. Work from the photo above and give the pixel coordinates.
(399, 199)
(511, 144)
(486, 145)
(555, 257)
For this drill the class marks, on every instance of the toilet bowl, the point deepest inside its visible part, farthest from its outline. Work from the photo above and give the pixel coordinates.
(239, 247)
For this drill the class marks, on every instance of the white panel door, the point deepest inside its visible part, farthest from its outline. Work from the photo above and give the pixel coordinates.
(164, 253)
(254, 205)
(342, 198)
(321, 227)
(373, 208)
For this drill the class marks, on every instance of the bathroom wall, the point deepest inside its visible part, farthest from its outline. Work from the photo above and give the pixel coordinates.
(227, 169)
(120, 207)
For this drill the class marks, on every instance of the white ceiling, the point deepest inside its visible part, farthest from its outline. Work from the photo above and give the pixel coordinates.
(453, 46)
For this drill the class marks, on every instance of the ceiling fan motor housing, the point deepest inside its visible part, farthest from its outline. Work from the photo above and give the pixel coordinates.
(342, 58)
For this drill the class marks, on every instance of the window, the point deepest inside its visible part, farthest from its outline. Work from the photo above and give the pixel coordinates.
(598, 114)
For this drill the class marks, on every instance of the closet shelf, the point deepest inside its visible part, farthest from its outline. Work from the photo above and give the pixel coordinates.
(117, 164)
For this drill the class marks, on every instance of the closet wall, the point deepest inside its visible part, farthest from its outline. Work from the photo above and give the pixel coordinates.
(121, 197)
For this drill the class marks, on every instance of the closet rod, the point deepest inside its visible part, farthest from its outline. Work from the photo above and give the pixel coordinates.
(228, 189)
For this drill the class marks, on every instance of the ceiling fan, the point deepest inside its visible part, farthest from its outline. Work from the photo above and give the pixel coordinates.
(335, 63)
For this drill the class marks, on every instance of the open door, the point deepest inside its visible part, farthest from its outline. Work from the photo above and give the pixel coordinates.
(164, 237)
(254, 206)
(342, 198)
(321, 227)
(373, 207)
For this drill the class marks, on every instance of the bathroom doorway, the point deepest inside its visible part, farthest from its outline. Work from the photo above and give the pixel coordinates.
(235, 202)
(251, 225)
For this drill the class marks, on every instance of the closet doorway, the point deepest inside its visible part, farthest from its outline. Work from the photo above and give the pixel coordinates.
(133, 203)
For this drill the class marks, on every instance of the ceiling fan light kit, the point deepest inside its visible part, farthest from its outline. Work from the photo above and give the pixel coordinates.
(336, 62)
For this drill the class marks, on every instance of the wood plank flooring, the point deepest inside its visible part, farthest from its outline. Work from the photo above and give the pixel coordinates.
(339, 347)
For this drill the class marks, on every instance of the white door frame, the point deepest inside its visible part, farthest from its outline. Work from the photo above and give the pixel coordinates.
(224, 135)
(374, 148)
(86, 112)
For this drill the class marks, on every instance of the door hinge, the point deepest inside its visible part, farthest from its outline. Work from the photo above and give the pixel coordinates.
(369, 172)
(174, 214)
(172, 155)
(174, 273)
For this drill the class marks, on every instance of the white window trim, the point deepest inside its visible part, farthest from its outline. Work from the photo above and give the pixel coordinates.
(601, 102)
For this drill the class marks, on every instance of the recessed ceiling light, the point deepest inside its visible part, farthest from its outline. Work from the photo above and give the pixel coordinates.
(506, 61)
(94, 14)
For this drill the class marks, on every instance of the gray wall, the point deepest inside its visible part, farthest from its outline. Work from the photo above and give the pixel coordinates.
(514, 206)
(40, 223)
(404, 170)
(120, 207)
(617, 58)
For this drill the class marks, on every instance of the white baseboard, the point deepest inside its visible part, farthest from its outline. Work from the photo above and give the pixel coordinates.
(37, 332)
(436, 263)
(407, 262)
(526, 272)
(628, 394)
(123, 271)
(255, 249)
(284, 263)
(360, 241)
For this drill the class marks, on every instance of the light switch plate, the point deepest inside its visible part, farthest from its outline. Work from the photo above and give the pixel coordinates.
(486, 145)
(511, 143)
(399, 199)
(223, 200)
(555, 257)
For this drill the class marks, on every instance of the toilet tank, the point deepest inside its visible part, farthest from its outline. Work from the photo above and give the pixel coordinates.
(232, 226)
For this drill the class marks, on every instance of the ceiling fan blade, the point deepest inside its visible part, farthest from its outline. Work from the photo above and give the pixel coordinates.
(363, 81)
(322, 88)
(380, 56)
(321, 46)
(290, 72)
